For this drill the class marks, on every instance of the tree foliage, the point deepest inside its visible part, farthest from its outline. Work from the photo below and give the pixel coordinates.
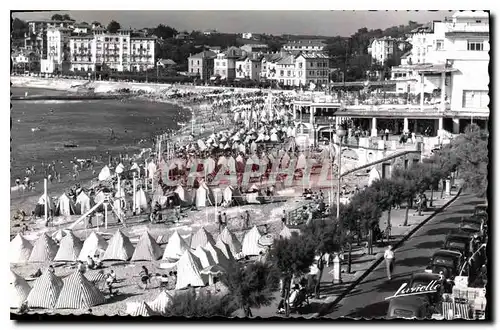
(252, 285)
(189, 304)
(19, 28)
(292, 256)
(165, 31)
(113, 26)
(57, 17)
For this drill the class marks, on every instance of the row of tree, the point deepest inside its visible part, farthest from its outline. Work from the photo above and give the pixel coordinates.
(253, 285)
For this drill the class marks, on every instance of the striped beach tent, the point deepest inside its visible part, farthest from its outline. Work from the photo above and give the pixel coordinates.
(250, 246)
(78, 292)
(69, 249)
(142, 309)
(188, 272)
(201, 238)
(147, 249)
(285, 233)
(45, 291)
(176, 247)
(141, 200)
(162, 303)
(45, 249)
(20, 249)
(455, 310)
(65, 206)
(19, 290)
(204, 256)
(94, 244)
(230, 239)
(218, 255)
(119, 248)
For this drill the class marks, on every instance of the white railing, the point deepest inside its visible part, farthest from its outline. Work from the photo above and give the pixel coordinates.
(468, 27)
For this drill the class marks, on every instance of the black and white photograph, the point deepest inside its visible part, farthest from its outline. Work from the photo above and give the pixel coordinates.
(275, 164)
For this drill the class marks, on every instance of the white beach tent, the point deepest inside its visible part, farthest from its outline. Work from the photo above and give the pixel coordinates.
(45, 291)
(99, 197)
(204, 256)
(44, 249)
(162, 303)
(20, 249)
(184, 196)
(159, 196)
(250, 246)
(231, 164)
(139, 309)
(69, 249)
(221, 254)
(41, 204)
(232, 196)
(209, 165)
(94, 244)
(147, 249)
(141, 200)
(134, 167)
(373, 176)
(230, 239)
(119, 248)
(79, 293)
(19, 290)
(188, 272)
(201, 238)
(151, 170)
(301, 162)
(204, 196)
(119, 168)
(175, 248)
(83, 202)
(65, 206)
(285, 233)
(104, 174)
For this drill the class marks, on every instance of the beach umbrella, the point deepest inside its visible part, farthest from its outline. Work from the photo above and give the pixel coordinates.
(266, 240)
(213, 271)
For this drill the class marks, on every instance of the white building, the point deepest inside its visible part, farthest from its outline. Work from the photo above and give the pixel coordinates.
(305, 46)
(312, 68)
(382, 49)
(58, 51)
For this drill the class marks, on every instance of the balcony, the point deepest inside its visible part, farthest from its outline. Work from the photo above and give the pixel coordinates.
(467, 27)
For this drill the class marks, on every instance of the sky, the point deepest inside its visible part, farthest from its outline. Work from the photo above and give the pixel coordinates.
(326, 23)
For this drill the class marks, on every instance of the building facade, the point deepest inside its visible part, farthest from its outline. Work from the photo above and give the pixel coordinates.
(312, 68)
(202, 64)
(58, 51)
(255, 48)
(225, 63)
(382, 49)
(36, 38)
(305, 46)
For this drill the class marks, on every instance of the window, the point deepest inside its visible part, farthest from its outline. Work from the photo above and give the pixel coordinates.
(478, 21)
(282, 73)
(475, 45)
(198, 62)
(439, 44)
(117, 39)
(288, 73)
(300, 65)
(475, 99)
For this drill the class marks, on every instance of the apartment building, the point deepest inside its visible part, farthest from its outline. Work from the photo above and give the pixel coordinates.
(255, 48)
(249, 67)
(312, 68)
(225, 63)
(381, 49)
(285, 70)
(36, 38)
(202, 64)
(268, 65)
(313, 45)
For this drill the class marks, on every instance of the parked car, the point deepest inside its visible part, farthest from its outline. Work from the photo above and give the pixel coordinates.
(458, 241)
(423, 279)
(481, 210)
(410, 307)
(470, 227)
(446, 261)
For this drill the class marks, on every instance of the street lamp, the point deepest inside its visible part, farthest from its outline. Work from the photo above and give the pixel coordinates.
(340, 134)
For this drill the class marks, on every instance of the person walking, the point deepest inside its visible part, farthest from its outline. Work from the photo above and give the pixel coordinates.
(389, 261)
(387, 134)
(283, 218)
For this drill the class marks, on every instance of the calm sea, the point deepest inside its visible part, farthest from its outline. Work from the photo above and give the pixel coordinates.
(89, 124)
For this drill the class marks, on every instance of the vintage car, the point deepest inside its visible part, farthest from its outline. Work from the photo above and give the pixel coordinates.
(423, 279)
(458, 241)
(470, 227)
(446, 261)
(410, 307)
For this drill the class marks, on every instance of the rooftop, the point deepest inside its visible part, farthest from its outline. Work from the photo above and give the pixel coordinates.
(204, 54)
(313, 55)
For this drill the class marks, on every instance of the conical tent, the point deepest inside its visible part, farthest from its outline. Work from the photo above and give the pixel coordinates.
(119, 248)
(218, 255)
(183, 195)
(162, 303)
(20, 249)
(99, 197)
(232, 194)
(201, 238)
(45, 291)
(142, 309)
(119, 168)
(151, 170)
(204, 256)
(188, 272)
(95, 243)
(45, 249)
(78, 293)
(250, 246)
(40, 206)
(285, 233)
(204, 196)
(105, 173)
(82, 203)
(176, 247)
(230, 239)
(58, 235)
(19, 290)
(69, 249)
(65, 206)
(147, 249)
(141, 200)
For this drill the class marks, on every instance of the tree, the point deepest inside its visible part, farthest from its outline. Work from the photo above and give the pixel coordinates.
(19, 28)
(292, 257)
(387, 195)
(165, 32)
(113, 27)
(66, 17)
(57, 17)
(96, 23)
(189, 304)
(323, 236)
(252, 285)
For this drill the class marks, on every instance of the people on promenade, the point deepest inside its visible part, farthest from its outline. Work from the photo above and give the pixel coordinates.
(389, 261)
